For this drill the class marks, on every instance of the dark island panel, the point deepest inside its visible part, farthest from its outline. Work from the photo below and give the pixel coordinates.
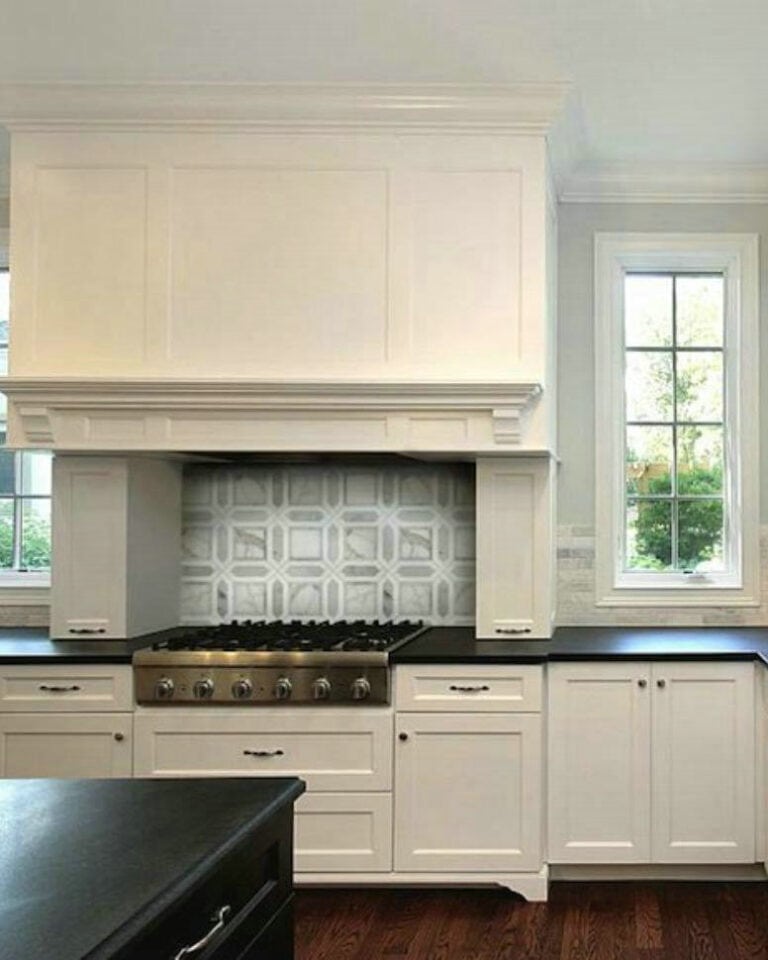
(96, 866)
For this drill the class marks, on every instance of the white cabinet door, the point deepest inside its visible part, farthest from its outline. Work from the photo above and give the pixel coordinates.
(599, 763)
(515, 568)
(703, 763)
(66, 745)
(90, 502)
(468, 792)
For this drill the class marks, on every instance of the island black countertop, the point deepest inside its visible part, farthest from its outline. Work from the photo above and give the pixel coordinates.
(86, 864)
(459, 645)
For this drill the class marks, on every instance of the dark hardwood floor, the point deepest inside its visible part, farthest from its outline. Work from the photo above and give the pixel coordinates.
(581, 921)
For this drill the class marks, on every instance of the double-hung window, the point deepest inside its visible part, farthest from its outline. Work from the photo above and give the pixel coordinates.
(25, 493)
(676, 419)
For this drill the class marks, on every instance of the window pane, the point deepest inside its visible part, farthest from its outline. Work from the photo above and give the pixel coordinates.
(699, 311)
(7, 471)
(700, 534)
(649, 535)
(649, 460)
(36, 534)
(647, 310)
(36, 472)
(699, 385)
(6, 533)
(699, 460)
(648, 384)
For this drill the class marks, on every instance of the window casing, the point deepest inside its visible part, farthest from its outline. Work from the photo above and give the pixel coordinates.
(627, 407)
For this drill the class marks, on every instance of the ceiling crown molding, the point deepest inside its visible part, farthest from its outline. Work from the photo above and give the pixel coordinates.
(520, 108)
(666, 183)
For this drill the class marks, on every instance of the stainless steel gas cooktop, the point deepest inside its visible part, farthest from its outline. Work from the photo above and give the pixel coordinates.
(267, 663)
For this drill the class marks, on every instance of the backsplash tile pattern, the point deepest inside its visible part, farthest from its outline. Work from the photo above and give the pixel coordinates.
(576, 592)
(329, 542)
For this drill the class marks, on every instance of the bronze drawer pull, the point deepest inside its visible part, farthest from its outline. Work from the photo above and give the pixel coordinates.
(468, 689)
(263, 753)
(512, 631)
(219, 918)
(54, 689)
(87, 630)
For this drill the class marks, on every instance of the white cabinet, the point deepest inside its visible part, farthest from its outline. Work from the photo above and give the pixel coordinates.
(491, 688)
(343, 823)
(116, 546)
(468, 792)
(66, 745)
(71, 688)
(651, 763)
(515, 548)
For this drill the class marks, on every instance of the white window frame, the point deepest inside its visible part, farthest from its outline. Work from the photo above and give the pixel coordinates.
(736, 255)
(19, 589)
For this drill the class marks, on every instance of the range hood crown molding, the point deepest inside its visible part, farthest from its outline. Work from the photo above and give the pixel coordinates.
(79, 413)
(525, 108)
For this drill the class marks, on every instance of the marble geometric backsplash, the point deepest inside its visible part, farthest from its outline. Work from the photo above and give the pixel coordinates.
(387, 541)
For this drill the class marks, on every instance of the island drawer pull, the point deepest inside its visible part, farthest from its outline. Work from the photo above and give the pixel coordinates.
(263, 753)
(459, 689)
(57, 689)
(87, 630)
(512, 631)
(219, 919)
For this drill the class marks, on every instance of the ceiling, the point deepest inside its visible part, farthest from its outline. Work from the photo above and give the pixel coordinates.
(657, 82)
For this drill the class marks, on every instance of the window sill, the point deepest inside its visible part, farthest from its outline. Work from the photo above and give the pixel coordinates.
(693, 596)
(25, 589)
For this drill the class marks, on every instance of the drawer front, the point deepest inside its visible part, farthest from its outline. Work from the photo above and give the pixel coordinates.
(489, 689)
(344, 832)
(32, 689)
(330, 749)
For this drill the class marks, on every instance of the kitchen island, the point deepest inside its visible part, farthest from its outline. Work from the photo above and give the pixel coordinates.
(121, 869)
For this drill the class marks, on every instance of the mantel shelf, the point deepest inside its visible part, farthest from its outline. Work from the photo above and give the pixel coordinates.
(125, 413)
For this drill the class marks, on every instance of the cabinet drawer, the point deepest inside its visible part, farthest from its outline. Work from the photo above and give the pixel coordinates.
(344, 832)
(468, 688)
(29, 688)
(330, 749)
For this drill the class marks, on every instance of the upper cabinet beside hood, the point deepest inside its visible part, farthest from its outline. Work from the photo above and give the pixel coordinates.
(186, 254)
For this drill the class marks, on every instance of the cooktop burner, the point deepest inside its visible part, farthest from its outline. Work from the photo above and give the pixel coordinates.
(295, 636)
(272, 662)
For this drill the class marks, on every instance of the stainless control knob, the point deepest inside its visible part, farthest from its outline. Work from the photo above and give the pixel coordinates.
(164, 688)
(360, 688)
(203, 689)
(283, 688)
(242, 689)
(321, 689)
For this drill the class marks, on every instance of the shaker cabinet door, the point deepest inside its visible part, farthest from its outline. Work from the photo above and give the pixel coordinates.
(599, 763)
(703, 763)
(515, 567)
(468, 792)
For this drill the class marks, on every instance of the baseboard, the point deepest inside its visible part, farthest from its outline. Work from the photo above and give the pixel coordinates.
(532, 886)
(653, 871)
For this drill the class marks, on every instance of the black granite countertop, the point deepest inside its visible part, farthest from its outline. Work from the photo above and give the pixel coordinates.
(87, 863)
(458, 645)
(34, 645)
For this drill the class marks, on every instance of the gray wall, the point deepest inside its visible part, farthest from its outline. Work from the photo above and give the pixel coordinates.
(578, 224)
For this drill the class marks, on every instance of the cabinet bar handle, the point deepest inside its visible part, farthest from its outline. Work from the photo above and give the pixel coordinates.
(468, 689)
(54, 689)
(219, 918)
(263, 753)
(87, 630)
(511, 631)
